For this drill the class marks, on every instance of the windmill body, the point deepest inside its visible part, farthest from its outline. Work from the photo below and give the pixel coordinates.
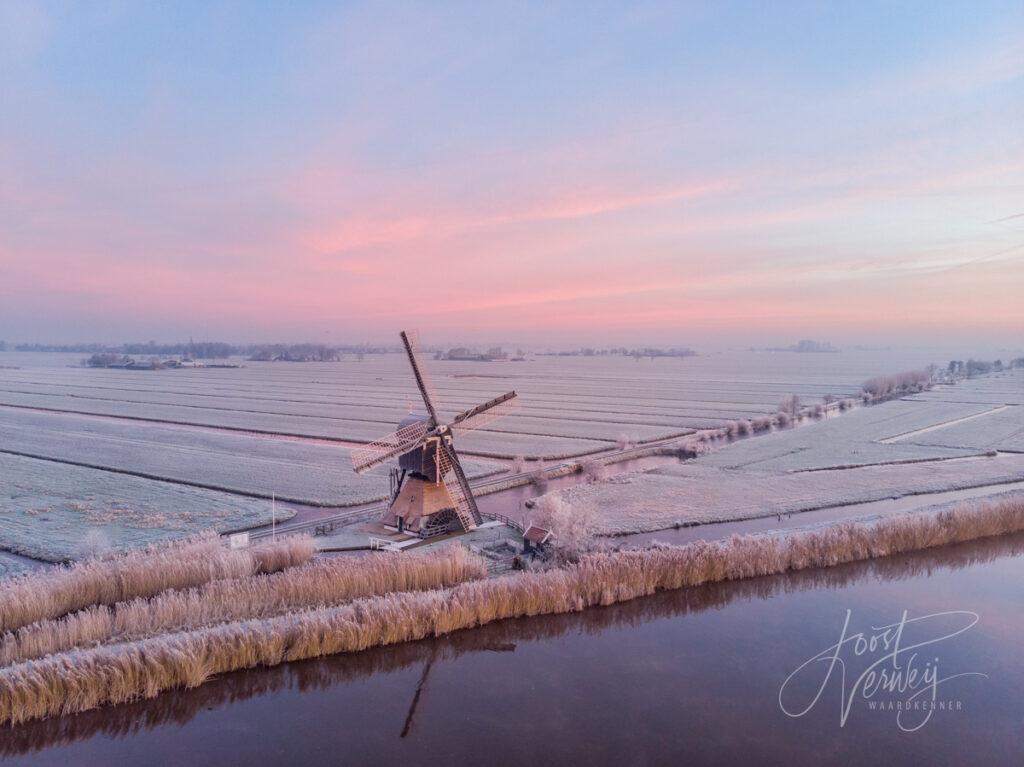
(430, 492)
(421, 502)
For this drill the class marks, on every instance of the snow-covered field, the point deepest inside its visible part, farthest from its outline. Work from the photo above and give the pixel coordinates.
(228, 428)
(934, 442)
(570, 405)
(293, 470)
(47, 510)
(852, 439)
(1006, 388)
(323, 421)
(999, 424)
(998, 429)
(694, 493)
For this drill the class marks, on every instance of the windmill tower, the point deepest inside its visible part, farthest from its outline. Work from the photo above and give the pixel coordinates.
(430, 494)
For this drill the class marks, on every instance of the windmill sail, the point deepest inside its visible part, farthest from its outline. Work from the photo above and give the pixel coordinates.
(481, 415)
(449, 470)
(412, 351)
(402, 441)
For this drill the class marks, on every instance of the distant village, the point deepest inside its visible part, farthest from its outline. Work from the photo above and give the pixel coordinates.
(497, 353)
(127, 362)
(623, 351)
(217, 354)
(805, 346)
(461, 353)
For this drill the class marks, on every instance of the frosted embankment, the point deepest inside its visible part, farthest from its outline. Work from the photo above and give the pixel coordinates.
(85, 679)
(316, 583)
(140, 573)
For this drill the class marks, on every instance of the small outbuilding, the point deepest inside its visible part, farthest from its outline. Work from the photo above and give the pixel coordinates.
(535, 539)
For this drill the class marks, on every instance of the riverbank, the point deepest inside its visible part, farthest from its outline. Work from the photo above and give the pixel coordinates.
(87, 678)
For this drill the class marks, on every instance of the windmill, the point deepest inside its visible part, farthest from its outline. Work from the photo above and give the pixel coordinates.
(430, 494)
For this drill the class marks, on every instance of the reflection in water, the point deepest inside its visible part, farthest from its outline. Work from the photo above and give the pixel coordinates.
(180, 706)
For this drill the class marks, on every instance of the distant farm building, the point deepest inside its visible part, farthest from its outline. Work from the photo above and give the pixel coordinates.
(463, 354)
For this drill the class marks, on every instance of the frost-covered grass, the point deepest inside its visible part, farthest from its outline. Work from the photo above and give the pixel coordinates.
(483, 442)
(694, 493)
(110, 579)
(585, 429)
(565, 417)
(572, 406)
(51, 508)
(11, 565)
(811, 452)
(1006, 388)
(1000, 429)
(812, 466)
(242, 412)
(317, 422)
(508, 445)
(72, 682)
(273, 423)
(293, 470)
(48, 509)
(316, 583)
(852, 439)
(999, 397)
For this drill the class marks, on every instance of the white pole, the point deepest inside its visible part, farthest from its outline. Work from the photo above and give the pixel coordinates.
(273, 517)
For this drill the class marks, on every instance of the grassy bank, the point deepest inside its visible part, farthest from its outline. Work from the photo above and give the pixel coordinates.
(85, 679)
(141, 573)
(316, 583)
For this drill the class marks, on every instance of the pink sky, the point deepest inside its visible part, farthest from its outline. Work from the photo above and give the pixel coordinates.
(329, 177)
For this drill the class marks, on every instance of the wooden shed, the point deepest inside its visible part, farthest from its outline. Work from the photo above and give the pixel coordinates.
(535, 539)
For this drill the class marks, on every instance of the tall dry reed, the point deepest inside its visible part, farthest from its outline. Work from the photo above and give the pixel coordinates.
(140, 573)
(84, 679)
(317, 583)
